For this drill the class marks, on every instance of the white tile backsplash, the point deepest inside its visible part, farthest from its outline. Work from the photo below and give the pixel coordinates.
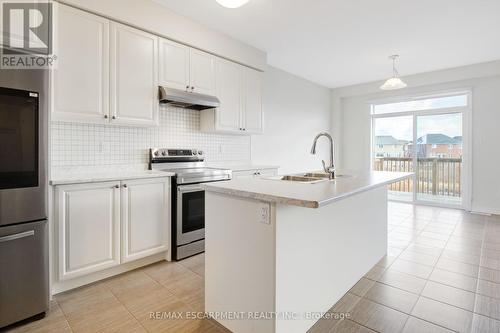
(91, 145)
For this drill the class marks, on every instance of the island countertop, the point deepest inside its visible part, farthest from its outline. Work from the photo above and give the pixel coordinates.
(311, 195)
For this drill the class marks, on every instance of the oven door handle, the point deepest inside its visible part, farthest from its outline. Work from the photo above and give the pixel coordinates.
(189, 188)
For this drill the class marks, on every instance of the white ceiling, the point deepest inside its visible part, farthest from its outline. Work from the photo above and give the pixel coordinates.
(343, 42)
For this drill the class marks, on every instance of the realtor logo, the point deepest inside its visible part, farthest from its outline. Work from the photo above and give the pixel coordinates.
(26, 34)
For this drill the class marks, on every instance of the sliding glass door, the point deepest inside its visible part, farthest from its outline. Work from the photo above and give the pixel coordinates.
(425, 136)
(439, 158)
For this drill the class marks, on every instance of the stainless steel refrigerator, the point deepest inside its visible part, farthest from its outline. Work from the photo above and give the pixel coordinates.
(24, 276)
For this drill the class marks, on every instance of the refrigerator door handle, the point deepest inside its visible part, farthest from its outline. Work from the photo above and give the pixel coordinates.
(17, 236)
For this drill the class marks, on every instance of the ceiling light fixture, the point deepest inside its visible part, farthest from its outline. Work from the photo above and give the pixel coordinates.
(232, 3)
(394, 82)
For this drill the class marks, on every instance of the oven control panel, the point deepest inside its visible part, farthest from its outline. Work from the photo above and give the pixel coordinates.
(179, 155)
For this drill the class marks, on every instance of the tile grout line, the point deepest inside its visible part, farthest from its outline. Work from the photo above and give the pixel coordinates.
(64, 314)
(406, 248)
(397, 257)
(427, 281)
(126, 308)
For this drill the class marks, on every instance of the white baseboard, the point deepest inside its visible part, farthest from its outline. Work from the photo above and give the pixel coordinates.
(485, 211)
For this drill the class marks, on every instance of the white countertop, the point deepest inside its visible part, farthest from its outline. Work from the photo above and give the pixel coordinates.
(91, 176)
(311, 195)
(239, 166)
(78, 175)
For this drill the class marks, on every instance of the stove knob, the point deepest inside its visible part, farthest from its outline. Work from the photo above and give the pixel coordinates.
(200, 152)
(194, 152)
(156, 153)
(164, 153)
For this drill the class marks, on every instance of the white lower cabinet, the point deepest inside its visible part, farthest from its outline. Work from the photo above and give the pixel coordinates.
(105, 224)
(88, 228)
(144, 215)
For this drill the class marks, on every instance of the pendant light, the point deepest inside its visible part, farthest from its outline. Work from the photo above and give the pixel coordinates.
(232, 3)
(394, 82)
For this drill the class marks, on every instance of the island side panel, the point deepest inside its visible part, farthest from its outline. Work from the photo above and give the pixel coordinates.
(321, 253)
(239, 261)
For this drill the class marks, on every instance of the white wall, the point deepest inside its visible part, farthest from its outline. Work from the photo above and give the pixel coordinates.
(351, 123)
(155, 18)
(295, 110)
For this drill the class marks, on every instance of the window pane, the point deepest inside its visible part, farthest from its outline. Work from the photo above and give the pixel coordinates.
(439, 158)
(392, 151)
(421, 104)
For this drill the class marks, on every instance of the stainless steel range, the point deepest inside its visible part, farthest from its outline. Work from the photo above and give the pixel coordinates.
(188, 197)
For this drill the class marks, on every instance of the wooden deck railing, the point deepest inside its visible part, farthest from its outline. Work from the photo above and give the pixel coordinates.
(436, 176)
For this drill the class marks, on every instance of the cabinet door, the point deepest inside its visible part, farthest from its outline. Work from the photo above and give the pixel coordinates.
(88, 217)
(201, 72)
(228, 90)
(174, 64)
(134, 76)
(80, 84)
(145, 217)
(252, 101)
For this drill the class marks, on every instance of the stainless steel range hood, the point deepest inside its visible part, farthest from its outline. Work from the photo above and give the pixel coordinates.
(187, 100)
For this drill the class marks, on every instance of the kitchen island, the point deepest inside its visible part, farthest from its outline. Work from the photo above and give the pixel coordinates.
(281, 253)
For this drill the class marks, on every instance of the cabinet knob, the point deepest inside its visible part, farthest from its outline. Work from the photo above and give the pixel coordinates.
(192, 88)
(105, 116)
(114, 117)
(116, 186)
(187, 87)
(124, 185)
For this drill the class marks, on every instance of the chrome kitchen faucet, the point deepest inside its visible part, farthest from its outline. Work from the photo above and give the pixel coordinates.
(331, 168)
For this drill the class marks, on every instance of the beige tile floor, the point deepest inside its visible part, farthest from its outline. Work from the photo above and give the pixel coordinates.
(441, 274)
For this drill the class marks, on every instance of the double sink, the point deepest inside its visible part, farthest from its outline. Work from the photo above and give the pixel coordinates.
(309, 177)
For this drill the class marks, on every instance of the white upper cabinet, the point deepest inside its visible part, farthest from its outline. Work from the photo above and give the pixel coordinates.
(80, 84)
(228, 90)
(89, 228)
(174, 65)
(109, 73)
(185, 68)
(252, 101)
(201, 72)
(145, 218)
(239, 90)
(134, 76)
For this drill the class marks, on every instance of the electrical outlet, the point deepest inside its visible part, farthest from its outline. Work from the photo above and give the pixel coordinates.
(264, 213)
